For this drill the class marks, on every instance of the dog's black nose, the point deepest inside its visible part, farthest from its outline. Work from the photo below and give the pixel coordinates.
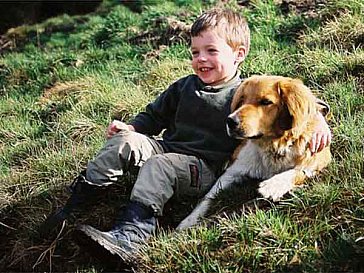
(231, 123)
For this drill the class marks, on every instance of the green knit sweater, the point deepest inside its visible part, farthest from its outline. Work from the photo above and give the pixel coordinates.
(194, 118)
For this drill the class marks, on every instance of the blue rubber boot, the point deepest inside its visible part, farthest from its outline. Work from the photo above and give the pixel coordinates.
(83, 193)
(134, 226)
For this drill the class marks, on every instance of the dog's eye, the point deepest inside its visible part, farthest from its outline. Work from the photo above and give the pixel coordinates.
(265, 102)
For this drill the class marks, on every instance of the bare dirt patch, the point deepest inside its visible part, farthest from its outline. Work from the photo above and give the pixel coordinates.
(308, 8)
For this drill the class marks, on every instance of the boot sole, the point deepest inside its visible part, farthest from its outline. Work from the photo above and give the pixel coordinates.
(110, 262)
(97, 237)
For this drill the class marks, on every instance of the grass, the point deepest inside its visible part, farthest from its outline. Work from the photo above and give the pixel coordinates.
(63, 80)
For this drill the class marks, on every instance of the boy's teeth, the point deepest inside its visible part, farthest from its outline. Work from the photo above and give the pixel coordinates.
(204, 69)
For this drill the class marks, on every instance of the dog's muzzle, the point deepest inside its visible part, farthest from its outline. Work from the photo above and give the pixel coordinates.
(231, 123)
(233, 128)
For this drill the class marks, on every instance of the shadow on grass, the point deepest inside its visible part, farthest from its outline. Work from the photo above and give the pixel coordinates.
(22, 250)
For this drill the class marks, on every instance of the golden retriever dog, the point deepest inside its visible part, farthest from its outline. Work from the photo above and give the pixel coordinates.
(275, 118)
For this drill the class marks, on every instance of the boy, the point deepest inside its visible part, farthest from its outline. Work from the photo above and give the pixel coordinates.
(195, 145)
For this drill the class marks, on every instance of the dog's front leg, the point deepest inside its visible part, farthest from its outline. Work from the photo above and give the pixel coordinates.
(278, 185)
(194, 217)
(224, 182)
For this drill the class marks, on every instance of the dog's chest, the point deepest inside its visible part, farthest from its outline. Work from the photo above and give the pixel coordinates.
(255, 162)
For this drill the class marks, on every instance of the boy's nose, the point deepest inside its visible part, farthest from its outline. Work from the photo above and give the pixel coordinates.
(202, 58)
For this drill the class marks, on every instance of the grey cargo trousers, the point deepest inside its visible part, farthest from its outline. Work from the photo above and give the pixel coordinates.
(160, 175)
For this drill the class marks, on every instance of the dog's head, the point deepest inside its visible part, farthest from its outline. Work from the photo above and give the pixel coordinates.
(267, 106)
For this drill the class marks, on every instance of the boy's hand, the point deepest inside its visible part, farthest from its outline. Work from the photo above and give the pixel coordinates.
(321, 137)
(116, 126)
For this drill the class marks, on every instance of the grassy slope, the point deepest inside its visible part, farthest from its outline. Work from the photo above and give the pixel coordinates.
(69, 76)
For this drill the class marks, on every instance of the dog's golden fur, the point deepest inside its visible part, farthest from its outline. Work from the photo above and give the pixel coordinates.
(275, 118)
(277, 115)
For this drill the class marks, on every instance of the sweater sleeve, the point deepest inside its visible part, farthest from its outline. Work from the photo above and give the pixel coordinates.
(159, 114)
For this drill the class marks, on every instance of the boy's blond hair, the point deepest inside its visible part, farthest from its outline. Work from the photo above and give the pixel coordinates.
(228, 24)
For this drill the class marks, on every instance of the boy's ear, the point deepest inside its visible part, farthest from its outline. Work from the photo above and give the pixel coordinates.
(240, 54)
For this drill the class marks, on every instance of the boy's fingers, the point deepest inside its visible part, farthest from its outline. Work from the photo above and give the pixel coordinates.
(116, 126)
(319, 141)
(313, 143)
(110, 131)
(119, 125)
(321, 144)
(325, 141)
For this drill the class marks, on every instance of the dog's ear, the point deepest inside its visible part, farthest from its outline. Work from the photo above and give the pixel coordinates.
(298, 101)
(285, 120)
(238, 97)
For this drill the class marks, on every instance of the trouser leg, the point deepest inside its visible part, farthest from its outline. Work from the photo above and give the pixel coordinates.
(167, 174)
(121, 153)
(159, 178)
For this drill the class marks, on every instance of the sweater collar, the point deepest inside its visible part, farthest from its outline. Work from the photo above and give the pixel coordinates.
(232, 82)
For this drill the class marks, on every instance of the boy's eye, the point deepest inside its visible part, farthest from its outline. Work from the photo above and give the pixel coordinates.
(212, 50)
(194, 53)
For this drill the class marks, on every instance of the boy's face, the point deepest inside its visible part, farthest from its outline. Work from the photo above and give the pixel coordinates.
(213, 60)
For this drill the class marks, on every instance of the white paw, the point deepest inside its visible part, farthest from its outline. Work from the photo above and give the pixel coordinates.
(196, 215)
(189, 221)
(275, 188)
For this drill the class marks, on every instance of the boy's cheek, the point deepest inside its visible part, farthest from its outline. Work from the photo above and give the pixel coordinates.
(194, 67)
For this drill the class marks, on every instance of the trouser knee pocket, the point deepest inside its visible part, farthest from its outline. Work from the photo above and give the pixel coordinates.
(195, 178)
